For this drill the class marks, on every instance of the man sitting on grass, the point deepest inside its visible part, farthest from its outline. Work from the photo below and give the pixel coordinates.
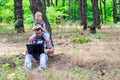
(42, 55)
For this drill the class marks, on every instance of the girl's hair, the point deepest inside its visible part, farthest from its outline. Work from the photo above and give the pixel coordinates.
(38, 12)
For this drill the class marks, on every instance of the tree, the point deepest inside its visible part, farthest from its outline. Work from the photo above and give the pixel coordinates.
(18, 15)
(104, 3)
(119, 11)
(83, 13)
(63, 3)
(96, 16)
(48, 3)
(114, 12)
(39, 5)
(69, 9)
(56, 2)
(101, 12)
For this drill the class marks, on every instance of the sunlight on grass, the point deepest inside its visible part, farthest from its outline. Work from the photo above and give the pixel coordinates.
(116, 70)
(6, 29)
(82, 74)
(17, 39)
(9, 72)
(80, 39)
(97, 35)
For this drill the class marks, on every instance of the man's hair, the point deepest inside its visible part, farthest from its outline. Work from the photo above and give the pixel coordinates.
(38, 29)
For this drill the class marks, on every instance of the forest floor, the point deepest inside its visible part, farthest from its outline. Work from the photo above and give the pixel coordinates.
(97, 59)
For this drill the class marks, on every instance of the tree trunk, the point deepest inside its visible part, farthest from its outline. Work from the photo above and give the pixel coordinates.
(69, 9)
(96, 16)
(39, 5)
(119, 11)
(18, 15)
(48, 3)
(80, 12)
(63, 3)
(52, 3)
(56, 2)
(104, 2)
(114, 12)
(101, 12)
(83, 13)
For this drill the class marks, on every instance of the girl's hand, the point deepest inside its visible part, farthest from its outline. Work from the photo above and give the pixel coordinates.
(46, 51)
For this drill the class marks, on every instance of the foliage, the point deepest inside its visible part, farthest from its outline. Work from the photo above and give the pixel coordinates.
(7, 11)
(58, 13)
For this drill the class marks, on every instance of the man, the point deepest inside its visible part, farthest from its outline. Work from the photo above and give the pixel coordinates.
(40, 57)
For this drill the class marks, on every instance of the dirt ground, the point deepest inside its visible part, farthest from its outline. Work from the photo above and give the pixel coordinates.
(99, 56)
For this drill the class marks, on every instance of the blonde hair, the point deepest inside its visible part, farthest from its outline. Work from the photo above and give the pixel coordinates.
(38, 12)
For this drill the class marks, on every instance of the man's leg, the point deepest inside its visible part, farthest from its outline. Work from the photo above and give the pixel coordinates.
(28, 61)
(43, 60)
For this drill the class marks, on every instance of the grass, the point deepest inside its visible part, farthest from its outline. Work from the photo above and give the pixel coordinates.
(97, 35)
(80, 39)
(6, 29)
(81, 74)
(9, 73)
(17, 39)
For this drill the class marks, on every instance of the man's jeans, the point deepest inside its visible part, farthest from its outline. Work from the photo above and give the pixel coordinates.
(43, 59)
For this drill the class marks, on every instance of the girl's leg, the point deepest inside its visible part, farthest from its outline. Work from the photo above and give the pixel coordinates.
(46, 36)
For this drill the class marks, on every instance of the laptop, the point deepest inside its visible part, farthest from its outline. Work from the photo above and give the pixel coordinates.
(35, 48)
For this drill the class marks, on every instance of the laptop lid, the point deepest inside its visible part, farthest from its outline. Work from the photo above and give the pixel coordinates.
(35, 48)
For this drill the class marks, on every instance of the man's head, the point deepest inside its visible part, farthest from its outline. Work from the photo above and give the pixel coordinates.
(38, 32)
(38, 16)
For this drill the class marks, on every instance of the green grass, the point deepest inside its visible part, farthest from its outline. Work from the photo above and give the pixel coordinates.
(97, 35)
(12, 73)
(81, 74)
(116, 70)
(6, 29)
(80, 39)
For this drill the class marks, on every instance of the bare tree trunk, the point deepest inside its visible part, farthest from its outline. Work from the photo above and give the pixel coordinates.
(63, 10)
(18, 15)
(69, 9)
(83, 13)
(96, 16)
(80, 12)
(101, 12)
(114, 12)
(104, 2)
(119, 11)
(56, 2)
(39, 5)
(48, 3)
(52, 3)
(63, 3)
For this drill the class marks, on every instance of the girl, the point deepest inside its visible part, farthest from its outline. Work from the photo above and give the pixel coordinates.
(39, 20)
